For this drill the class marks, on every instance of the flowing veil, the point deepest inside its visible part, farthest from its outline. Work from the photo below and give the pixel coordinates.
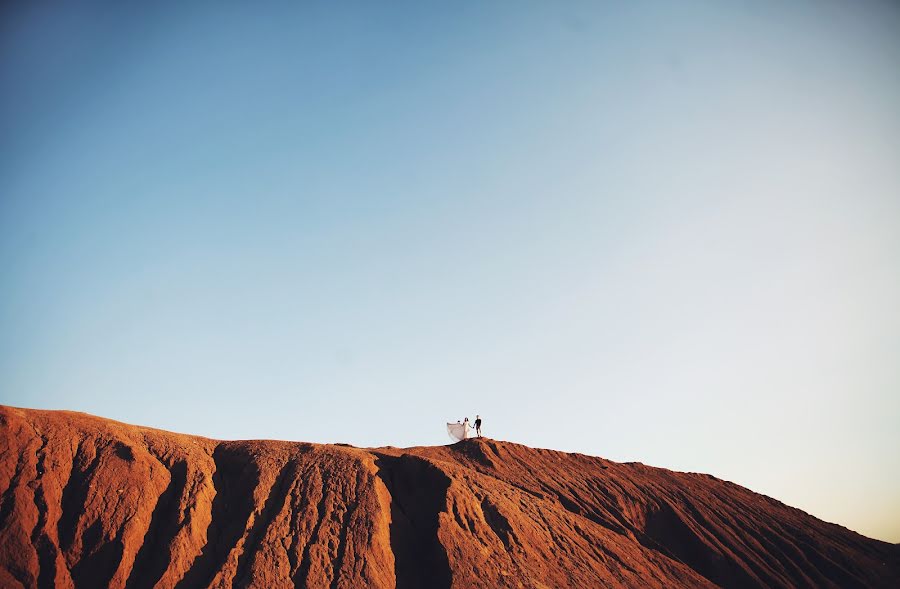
(457, 431)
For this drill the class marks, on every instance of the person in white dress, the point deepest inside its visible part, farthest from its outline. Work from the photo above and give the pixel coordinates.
(459, 431)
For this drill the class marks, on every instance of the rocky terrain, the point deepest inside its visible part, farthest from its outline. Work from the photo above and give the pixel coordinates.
(87, 502)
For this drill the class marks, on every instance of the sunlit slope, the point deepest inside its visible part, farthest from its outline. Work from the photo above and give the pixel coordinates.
(87, 502)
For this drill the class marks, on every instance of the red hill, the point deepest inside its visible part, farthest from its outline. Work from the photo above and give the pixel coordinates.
(87, 503)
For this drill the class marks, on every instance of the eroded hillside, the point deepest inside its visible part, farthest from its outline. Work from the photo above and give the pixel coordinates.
(87, 502)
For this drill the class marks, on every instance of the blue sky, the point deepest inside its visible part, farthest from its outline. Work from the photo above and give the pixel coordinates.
(666, 232)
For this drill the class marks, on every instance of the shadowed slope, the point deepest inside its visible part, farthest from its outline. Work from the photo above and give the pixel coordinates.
(87, 502)
(418, 494)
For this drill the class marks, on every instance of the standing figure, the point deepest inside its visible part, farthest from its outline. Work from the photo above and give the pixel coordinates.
(478, 425)
(466, 427)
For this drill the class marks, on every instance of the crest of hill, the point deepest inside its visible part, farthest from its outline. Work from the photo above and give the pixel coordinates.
(89, 502)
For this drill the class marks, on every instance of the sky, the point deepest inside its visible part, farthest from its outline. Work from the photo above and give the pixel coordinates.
(650, 231)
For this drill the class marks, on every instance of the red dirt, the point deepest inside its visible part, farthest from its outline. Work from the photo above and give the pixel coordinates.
(87, 502)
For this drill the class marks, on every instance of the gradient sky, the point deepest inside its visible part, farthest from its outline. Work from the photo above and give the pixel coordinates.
(666, 232)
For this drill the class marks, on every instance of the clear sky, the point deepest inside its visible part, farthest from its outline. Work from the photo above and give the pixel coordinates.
(666, 232)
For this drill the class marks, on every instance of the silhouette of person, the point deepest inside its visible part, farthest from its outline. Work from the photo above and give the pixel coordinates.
(478, 425)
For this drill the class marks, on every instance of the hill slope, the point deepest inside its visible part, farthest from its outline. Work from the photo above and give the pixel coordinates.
(87, 502)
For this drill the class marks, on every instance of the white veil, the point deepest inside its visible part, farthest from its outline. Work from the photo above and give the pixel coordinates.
(457, 431)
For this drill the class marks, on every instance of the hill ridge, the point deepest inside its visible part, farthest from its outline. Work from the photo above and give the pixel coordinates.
(90, 502)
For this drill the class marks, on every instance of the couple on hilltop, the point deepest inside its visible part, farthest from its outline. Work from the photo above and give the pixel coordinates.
(461, 430)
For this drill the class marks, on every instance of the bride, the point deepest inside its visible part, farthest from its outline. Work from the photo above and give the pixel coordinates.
(459, 431)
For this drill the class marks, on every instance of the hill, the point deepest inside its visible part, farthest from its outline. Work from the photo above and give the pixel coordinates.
(87, 502)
